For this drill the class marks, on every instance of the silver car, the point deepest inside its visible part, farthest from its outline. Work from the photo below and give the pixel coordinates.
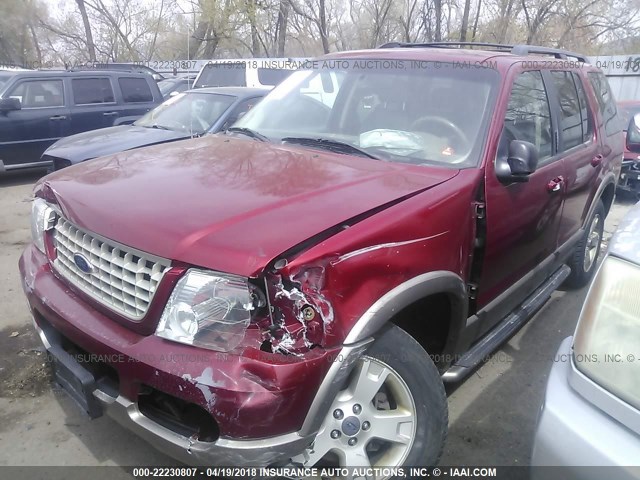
(591, 411)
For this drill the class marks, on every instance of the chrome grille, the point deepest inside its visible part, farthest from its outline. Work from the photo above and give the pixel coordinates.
(122, 278)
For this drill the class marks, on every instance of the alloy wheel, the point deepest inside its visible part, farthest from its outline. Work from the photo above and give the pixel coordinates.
(371, 423)
(592, 244)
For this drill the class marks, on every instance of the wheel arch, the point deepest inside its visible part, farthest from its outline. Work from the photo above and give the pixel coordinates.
(605, 192)
(607, 196)
(428, 286)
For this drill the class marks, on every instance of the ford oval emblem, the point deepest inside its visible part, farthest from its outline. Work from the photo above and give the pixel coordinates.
(82, 263)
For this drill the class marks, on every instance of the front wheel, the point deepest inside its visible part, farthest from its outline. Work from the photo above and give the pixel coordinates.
(393, 411)
(585, 257)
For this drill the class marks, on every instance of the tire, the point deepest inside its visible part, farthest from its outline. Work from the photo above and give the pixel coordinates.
(411, 386)
(584, 260)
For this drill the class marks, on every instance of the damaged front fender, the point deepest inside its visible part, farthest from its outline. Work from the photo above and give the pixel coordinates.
(300, 312)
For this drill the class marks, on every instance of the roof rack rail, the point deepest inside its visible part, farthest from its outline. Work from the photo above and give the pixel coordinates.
(525, 50)
(498, 46)
(521, 50)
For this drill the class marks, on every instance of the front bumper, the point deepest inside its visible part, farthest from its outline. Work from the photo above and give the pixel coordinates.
(259, 403)
(188, 450)
(574, 434)
(629, 180)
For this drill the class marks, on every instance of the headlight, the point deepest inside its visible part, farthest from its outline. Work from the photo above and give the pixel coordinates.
(42, 219)
(606, 346)
(207, 309)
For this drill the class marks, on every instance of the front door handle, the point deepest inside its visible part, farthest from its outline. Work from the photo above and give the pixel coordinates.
(110, 114)
(555, 185)
(58, 117)
(597, 160)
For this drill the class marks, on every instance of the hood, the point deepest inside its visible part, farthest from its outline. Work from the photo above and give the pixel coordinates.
(106, 141)
(225, 203)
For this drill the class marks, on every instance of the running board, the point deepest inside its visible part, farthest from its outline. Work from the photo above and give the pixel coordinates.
(505, 329)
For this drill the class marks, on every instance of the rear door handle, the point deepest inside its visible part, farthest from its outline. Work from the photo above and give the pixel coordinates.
(110, 114)
(58, 117)
(555, 185)
(597, 160)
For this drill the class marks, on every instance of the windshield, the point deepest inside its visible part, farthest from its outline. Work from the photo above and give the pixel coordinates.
(168, 85)
(194, 113)
(229, 74)
(431, 113)
(4, 77)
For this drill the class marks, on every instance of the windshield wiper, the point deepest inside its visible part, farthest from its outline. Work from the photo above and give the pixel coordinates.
(160, 127)
(331, 145)
(248, 132)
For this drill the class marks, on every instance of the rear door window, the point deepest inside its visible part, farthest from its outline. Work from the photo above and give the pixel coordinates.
(135, 90)
(39, 93)
(606, 102)
(585, 110)
(91, 91)
(570, 114)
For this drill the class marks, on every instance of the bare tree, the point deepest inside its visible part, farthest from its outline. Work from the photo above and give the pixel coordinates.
(465, 21)
(87, 30)
(475, 22)
(407, 20)
(281, 28)
(536, 16)
(315, 12)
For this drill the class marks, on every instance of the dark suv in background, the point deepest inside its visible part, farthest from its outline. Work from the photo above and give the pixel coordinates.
(298, 290)
(39, 107)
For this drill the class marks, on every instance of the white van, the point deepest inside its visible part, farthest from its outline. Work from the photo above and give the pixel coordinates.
(247, 72)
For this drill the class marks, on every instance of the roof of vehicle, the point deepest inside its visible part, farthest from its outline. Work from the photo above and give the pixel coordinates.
(182, 78)
(235, 91)
(503, 55)
(79, 73)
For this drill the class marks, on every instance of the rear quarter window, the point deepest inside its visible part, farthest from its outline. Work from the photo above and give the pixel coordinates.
(135, 90)
(272, 76)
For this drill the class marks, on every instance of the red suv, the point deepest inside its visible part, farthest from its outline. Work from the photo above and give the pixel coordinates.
(297, 290)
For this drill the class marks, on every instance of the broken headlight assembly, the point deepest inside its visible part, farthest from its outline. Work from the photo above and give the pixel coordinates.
(209, 309)
(608, 334)
(42, 219)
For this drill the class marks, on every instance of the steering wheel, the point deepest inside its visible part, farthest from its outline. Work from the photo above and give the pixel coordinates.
(450, 126)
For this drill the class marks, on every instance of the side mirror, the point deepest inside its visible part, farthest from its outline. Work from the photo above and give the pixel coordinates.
(633, 134)
(174, 93)
(9, 104)
(521, 162)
